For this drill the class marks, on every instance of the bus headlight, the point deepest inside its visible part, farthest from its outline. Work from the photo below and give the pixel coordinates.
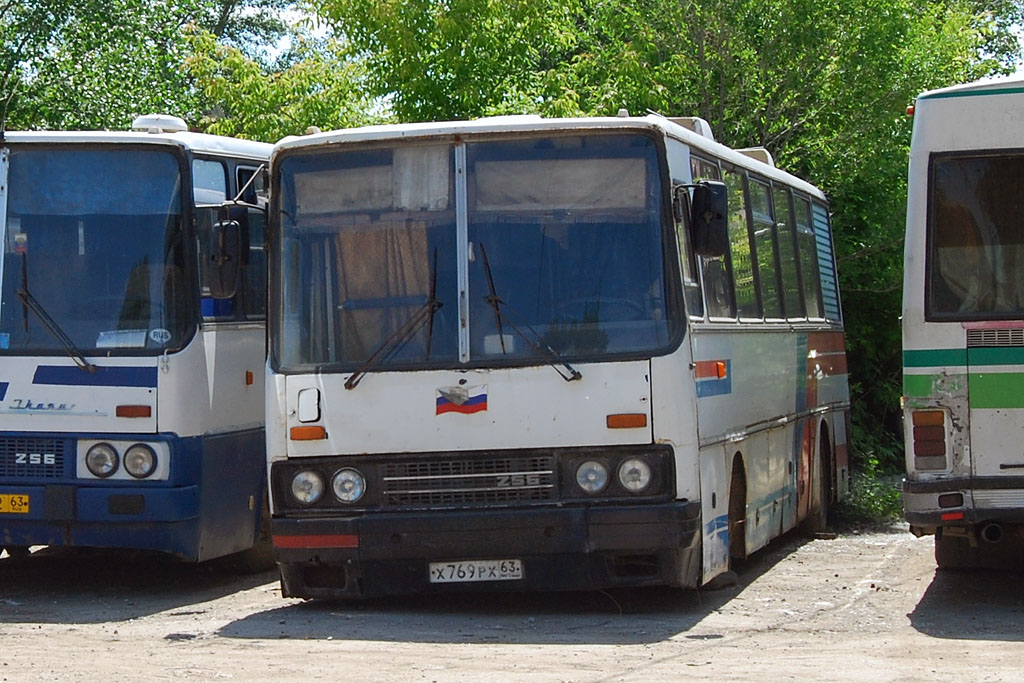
(307, 486)
(101, 460)
(349, 485)
(592, 476)
(140, 461)
(634, 475)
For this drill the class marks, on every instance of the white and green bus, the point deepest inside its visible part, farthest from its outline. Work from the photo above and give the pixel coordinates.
(526, 353)
(963, 323)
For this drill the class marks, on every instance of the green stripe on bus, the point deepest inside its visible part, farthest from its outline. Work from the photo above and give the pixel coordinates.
(997, 390)
(933, 358)
(996, 356)
(918, 386)
(972, 93)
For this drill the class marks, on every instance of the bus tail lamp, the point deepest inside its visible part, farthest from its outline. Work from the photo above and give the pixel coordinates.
(308, 433)
(133, 411)
(929, 436)
(626, 420)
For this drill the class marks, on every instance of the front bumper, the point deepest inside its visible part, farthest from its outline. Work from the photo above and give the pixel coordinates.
(561, 549)
(164, 519)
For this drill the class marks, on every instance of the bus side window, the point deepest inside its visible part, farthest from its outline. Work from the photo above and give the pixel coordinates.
(789, 268)
(714, 271)
(209, 181)
(254, 275)
(741, 255)
(257, 189)
(808, 257)
(764, 245)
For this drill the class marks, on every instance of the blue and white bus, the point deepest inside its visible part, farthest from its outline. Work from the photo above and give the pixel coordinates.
(132, 340)
(544, 354)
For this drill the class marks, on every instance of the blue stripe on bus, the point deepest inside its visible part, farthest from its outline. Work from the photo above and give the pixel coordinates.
(3, 389)
(70, 375)
(714, 386)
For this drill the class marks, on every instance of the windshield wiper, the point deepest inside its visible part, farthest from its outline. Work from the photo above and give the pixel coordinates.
(53, 328)
(566, 371)
(423, 314)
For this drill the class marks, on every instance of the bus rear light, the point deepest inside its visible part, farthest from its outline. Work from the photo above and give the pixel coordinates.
(626, 421)
(133, 411)
(929, 439)
(928, 418)
(951, 500)
(952, 516)
(310, 433)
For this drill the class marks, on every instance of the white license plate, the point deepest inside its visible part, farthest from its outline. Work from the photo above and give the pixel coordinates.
(475, 570)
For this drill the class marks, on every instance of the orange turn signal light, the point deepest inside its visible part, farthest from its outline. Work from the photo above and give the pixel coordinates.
(309, 433)
(248, 378)
(133, 411)
(626, 420)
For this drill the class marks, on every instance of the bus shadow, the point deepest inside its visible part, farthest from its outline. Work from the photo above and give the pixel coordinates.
(83, 586)
(972, 605)
(620, 616)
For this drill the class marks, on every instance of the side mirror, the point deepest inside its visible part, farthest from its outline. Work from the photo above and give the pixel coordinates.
(226, 252)
(709, 227)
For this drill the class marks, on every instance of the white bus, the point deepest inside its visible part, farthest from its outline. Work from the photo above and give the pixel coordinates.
(963, 323)
(544, 354)
(132, 340)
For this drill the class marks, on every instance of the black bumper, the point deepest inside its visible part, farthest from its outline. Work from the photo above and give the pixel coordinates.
(561, 549)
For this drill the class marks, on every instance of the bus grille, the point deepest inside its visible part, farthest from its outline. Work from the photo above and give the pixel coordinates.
(31, 458)
(479, 480)
(996, 337)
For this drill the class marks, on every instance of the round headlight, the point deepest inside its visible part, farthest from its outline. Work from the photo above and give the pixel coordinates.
(634, 475)
(307, 486)
(349, 485)
(140, 461)
(592, 476)
(101, 460)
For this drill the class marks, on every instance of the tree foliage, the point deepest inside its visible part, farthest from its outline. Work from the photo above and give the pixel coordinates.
(98, 63)
(319, 87)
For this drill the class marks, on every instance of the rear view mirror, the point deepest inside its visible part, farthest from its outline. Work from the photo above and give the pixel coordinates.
(709, 208)
(226, 252)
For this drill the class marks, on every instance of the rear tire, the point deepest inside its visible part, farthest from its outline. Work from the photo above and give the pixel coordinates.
(954, 552)
(817, 517)
(737, 513)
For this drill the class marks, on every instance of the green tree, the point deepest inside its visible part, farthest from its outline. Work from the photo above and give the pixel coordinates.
(320, 86)
(98, 63)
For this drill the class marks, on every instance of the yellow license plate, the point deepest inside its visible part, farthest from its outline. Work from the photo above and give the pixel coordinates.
(14, 502)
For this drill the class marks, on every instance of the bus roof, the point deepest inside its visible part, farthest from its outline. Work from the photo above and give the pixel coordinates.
(1001, 85)
(533, 123)
(196, 142)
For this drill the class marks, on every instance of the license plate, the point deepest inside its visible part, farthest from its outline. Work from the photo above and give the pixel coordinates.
(476, 570)
(14, 502)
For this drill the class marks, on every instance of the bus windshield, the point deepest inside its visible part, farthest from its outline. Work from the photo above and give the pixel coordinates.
(976, 259)
(557, 239)
(95, 236)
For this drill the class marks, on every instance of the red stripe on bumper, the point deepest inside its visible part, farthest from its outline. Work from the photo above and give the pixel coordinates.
(317, 541)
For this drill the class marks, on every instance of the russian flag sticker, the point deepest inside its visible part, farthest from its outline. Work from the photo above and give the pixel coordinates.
(465, 400)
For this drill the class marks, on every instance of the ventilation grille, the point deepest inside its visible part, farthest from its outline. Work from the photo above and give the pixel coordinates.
(469, 481)
(996, 337)
(31, 458)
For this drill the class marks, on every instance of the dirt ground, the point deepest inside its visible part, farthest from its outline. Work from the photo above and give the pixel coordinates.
(865, 606)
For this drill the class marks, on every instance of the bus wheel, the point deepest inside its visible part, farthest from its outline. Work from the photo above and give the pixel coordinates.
(737, 512)
(17, 552)
(817, 517)
(954, 551)
(260, 557)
